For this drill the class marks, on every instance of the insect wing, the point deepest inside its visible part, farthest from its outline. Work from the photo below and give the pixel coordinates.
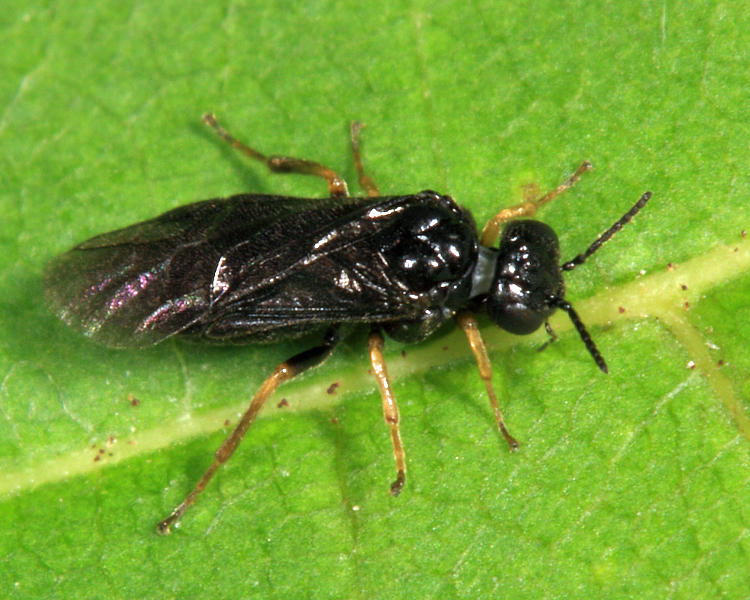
(322, 265)
(224, 266)
(113, 286)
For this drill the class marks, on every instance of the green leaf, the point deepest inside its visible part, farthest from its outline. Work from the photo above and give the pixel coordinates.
(629, 485)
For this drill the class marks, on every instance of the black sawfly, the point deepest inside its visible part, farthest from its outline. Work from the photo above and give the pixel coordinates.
(261, 268)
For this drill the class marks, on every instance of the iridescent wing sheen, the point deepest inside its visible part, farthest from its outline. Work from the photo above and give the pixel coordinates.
(240, 267)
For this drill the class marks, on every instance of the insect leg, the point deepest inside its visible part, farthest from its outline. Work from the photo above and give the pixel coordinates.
(390, 408)
(468, 323)
(365, 181)
(528, 208)
(552, 336)
(285, 371)
(282, 164)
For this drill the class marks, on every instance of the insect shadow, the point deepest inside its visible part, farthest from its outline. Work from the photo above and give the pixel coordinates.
(264, 268)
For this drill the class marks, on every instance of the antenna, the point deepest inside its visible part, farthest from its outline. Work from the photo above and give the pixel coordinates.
(563, 304)
(619, 224)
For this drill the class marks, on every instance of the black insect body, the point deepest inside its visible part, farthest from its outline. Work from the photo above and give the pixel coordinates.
(258, 268)
(527, 276)
(254, 268)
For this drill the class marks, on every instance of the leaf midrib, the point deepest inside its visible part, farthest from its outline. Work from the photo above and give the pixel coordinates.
(661, 295)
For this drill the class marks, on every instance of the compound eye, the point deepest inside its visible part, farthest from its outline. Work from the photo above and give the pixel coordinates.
(512, 308)
(517, 318)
